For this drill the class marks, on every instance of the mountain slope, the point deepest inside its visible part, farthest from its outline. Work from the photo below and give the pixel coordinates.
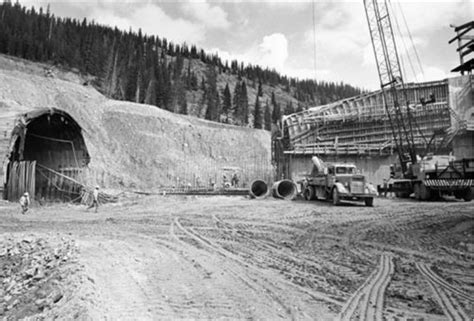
(132, 145)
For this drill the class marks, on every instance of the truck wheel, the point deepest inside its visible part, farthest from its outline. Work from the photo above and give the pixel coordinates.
(402, 194)
(309, 193)
(425, 192)
(468, 194)
(369, 201)
(335, 197)
(417, 191)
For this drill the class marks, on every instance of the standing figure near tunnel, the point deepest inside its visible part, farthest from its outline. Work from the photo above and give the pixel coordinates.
(95, 199)
(24, 202)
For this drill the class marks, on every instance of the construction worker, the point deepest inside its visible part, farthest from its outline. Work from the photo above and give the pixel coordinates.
(225, 182)
(95, 199)
(385, 187)
(24, 202)
(235, 180)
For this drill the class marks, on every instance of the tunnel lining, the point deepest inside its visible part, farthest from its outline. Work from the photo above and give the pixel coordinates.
(52, 140)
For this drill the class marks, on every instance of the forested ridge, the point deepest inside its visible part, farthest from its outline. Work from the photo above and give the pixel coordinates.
(148, 69)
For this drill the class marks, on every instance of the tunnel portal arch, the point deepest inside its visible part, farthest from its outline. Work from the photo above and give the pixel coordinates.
(47, 156)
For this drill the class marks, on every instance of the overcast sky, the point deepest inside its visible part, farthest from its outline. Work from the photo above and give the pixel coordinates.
(281, 34)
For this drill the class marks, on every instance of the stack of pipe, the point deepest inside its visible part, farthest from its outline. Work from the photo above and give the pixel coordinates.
(284, 189)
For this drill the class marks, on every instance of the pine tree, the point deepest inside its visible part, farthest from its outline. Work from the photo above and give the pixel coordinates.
(276, 113)
(267, 118)
(244, 102)
(257, 118)
(150, 95)
(289, 108)
(226, 103)
(260, 91)
(183, 104)
(236, 108)
(212, 95)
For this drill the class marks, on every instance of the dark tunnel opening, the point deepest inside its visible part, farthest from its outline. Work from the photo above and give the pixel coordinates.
(48, 156)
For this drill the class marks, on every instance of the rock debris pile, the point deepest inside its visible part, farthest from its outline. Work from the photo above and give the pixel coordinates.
(34, 275)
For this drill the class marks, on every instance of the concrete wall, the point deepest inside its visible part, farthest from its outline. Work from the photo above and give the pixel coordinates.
(375, 168)
(463, 145)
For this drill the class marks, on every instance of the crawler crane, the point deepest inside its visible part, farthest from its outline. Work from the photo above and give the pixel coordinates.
(429, 176)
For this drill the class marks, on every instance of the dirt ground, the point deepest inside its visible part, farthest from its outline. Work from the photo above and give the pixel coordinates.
(188, 257)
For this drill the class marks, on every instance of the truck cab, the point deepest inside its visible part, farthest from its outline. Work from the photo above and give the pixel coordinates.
(338, 181)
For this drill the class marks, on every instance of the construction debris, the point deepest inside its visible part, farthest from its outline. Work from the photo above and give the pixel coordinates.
(33, 274)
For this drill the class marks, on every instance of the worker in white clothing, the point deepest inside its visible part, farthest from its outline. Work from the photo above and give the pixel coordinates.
(24, 202)
(95, 199)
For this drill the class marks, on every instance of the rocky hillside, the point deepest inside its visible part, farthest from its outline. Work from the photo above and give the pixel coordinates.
(131, 145)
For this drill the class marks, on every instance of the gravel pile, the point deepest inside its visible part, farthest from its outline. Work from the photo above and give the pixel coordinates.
(34, 273)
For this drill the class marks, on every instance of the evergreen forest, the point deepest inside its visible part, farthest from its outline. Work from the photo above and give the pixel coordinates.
(147, 69)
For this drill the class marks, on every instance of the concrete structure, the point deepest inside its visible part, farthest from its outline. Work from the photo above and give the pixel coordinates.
(358, 129)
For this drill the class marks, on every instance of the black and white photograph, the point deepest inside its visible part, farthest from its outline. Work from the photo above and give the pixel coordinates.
(237, 160)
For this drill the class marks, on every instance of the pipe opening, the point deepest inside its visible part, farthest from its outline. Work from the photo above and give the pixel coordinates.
(258, 189)
(285, 189)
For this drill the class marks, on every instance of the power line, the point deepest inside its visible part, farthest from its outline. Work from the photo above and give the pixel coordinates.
(314, 37)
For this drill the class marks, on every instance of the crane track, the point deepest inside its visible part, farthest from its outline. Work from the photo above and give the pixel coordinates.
(442, 290)
(370, 296)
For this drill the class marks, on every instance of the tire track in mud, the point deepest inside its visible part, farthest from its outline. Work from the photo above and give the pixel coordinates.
(189, 294)
(402, 225)
(260, 279)
(370, 296)
(253, 284)
(220, 298)
(299, 269)
(451, 307)
(167, 293)
(376, 246)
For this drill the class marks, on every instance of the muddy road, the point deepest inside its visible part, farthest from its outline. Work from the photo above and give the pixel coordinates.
(186, 257)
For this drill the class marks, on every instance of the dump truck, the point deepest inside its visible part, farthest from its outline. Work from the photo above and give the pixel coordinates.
(337, 182)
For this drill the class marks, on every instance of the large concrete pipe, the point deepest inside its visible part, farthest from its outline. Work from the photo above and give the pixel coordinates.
(285, 189)
(258, 189)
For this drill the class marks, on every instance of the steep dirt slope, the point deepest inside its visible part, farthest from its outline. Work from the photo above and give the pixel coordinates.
(131, 145)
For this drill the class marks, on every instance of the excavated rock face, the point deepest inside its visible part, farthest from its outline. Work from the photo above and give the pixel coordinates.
(132, 145)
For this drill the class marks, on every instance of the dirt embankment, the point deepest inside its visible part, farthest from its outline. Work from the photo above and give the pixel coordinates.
(131, 145)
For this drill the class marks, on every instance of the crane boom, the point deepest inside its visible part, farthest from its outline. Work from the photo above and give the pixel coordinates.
(391, 79)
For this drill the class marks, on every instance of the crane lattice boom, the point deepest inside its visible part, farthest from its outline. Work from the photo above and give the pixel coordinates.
(391, 79)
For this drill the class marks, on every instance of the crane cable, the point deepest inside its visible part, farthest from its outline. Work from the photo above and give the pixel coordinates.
(405, 47)
(412, 42)
(410, 62)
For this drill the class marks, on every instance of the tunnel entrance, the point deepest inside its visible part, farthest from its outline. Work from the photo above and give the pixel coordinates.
(47, 156)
